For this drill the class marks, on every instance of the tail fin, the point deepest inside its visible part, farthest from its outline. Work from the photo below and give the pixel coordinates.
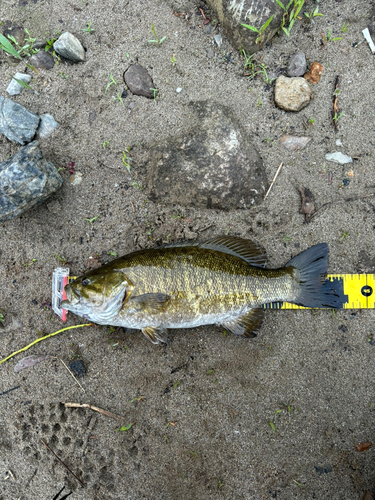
(311, 267)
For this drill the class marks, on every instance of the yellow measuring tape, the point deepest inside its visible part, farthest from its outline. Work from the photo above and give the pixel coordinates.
(356, 291)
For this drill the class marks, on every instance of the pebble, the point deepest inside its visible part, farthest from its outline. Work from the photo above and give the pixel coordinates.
(178, 90)
(76, 179)
(124, 94)
(131, 106)
(78, 368)
(42, 60)
(314, 73)
(297, 64)
(47, 126)
(339, 143)
(210, 53)
(17, 123)
(292, 94)
(26, 180)
(292, 143)
(139, 81)
(338, 157)
(218, 40)
(69, 47)
(14, 88)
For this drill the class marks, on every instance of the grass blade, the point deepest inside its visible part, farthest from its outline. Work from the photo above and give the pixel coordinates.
(8, 47)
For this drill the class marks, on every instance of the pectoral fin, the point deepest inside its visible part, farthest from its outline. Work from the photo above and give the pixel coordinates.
(155, 335)
(153, 301)
(246, 325)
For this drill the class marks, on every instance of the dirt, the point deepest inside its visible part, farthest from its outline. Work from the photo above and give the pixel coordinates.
(215, 416)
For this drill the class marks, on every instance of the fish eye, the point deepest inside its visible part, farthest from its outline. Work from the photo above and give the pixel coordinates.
(85, 282)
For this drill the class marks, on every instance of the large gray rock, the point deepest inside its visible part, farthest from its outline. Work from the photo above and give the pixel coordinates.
(213, 165)
(26, 180)
(139, 81)
(69, 47)
(16, 122)
(42, 60)
(233, 13)
(14, 88)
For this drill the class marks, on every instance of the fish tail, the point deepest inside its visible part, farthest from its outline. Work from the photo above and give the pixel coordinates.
(310, 270)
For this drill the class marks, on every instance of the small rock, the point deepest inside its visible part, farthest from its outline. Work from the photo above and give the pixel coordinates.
(78, 368)
(292, 94)
(339, 143)
(124, 94)
(92, 117)
(26, 180)
(314, 73)
(338, 157)
(345, 182)
(297, 64)
(14, 88)
(292, 143)
(178, 90)
(139, 81)
(76, 179)
(47, 126)
(69, 47)
(218, 40)
(42, 60)
(210, 53)
(17, 123)
(208, 29)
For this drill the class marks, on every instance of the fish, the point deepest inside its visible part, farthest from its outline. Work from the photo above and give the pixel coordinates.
(220, 281)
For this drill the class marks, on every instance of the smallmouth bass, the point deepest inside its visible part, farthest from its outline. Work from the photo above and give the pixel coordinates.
(185, 285)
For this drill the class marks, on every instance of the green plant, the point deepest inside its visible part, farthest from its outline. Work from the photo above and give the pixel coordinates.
(8, 47)
(89, 29)
(343, 236)
(114, 254)
(286, 239)
(155, 91)
(118, 98)
(105, 144)
(290, 17)
(173, 60)
(329, 38)
(2, 319)
(61, 259)
(22, 83)
(112, 82)
(126, 427)
(30, 263)
(313, 13)
(49, 44)
(260, 31)
(26, 50)
(92, 220)
(256, 68)
(337, 117)
(311, 121)
(63, 76)
(159, 42)
(345, 27)
(125, 159)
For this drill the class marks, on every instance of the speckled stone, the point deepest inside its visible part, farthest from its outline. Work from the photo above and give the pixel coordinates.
(47, 126)
(297, 64)
(17, 123)
(42, 60)
(26, 180)
(139, 81)
(292, 94)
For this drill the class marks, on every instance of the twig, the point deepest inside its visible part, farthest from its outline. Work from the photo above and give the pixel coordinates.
(55, 357)
(273, 181)
(95, 408)
(346, 200)
(335, 110)
(132, 206)
(62, 463)
(204, 228)
(10, 390)
(42, 338)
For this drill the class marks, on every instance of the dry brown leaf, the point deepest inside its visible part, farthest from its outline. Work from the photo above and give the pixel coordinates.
(365, 446)
(314, 73)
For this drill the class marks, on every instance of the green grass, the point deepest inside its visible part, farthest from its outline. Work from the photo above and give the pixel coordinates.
(156, 40)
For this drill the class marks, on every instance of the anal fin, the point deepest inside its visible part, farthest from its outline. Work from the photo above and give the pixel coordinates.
(155, 335)
(246, 325)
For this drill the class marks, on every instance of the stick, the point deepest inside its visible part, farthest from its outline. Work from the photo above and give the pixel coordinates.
(95, 408)
(62, 463)
(346, 200)
(273, 181)
(54, 357)
(42, 338)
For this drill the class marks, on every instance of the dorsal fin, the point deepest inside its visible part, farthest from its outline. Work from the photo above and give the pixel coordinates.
(247, 250)
(251, 252)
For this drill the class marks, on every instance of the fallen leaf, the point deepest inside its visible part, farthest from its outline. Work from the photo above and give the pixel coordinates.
(28, 362)
(365, 446)
(307, 198)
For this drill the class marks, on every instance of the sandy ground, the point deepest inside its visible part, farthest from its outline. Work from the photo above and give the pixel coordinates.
(202, 404)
